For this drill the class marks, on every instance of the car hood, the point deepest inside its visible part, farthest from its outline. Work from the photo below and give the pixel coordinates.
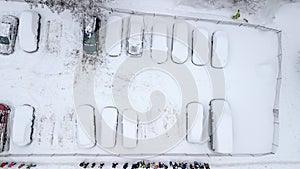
(5, 49)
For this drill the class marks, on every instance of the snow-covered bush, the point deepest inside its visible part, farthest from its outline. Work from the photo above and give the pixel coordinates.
(252, 6)
(79, 8)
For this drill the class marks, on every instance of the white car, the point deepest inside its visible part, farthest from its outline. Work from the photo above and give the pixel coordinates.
(159, 43)
(220, 52)
(113, 38)
(180, 41)
(221, 126)
(86, 137)
(195, 117)
(29, 31)
(109, 125)
(8, 34)
(135, 36)
(23, 123)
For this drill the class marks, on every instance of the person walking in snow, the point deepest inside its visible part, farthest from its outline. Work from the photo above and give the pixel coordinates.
(143, 165)
(93, 165)
(101, 165)
(11, 164)
(81, 164)
(237, 15)
(196, 165)
(3, 164)
(135, 166)
(152, 165)
(184, 166)
(114, 165)
(85, 165)
(175, 166)
(125, 166)
(180, 165)
(206, 166)
(21, 165)
(148, 165)
(171, 164)
(30, 166)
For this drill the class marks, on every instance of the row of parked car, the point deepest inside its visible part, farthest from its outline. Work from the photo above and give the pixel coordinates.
(205, 46)
(27, 28)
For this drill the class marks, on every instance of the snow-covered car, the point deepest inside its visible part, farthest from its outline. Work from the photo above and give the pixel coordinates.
(8, 33)
(195, 116)
(4, 119)
(220, 51)
(130, 129)
(180, 41)
(113, 38)
(159, 43)
(90, 35)
(86, 135)
(135, 36)
(221, 126)
(23, 122)
(109, 125)
(201, 43)
(134, 45)
(29, 31)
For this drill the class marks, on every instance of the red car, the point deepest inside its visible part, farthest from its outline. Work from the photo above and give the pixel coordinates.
(4, 116)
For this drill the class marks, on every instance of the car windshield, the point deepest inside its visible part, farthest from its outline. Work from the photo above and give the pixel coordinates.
(4, 40)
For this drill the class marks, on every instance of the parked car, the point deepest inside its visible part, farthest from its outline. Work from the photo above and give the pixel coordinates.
(109, 126)
(23, 123)
(113, 36)
(180, 41)
(221, 126)
(90, 35)
(159, 42)
(135, 36)
(4, 119)
(8, 33)
(86, 135)
(29, 31)
(220, 48)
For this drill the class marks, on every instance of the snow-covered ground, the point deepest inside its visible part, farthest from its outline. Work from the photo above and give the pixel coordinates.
(39, 78)
(45, 80)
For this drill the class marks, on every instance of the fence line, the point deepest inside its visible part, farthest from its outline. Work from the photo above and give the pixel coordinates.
(129, 155)
(127, 11)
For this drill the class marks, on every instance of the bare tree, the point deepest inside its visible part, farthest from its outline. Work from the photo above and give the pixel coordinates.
(251, 6)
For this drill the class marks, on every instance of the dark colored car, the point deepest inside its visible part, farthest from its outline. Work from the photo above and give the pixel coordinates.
(90, 35)
(4, 119)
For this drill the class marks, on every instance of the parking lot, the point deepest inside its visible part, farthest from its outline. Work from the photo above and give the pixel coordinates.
(214, 75)
(158, 78)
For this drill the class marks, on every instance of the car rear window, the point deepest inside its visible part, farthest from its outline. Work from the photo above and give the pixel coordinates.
(4, 40)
